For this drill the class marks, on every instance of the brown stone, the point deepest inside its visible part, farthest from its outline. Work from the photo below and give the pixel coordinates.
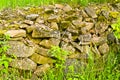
(104, 48)
(16, 33)
(41, 59)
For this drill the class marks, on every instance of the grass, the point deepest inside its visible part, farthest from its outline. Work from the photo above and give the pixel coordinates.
(23, 3)
(108, 69)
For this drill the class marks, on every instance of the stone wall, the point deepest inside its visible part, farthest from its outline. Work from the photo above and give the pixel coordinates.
(79, 30)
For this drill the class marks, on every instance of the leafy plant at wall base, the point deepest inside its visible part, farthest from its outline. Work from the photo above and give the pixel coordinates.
(57, 52)
(4, 59)
(116, 28)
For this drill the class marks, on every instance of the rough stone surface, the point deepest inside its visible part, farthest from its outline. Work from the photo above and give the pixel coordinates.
(90, 12)
(16, 33)
(104, 48)
(41, 59)
(19, 49)
(32, 16)
(50, 42)
(40, 50)
(42, 69)
(37, 33)
(24, 64)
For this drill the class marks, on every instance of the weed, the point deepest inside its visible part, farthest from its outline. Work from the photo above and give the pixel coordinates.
(4, 59)
(116, 28)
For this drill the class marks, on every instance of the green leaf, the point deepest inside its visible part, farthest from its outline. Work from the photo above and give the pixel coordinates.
(5, 64)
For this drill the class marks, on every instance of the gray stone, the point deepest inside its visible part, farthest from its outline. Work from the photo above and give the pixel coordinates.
(77, 46)
(104, 48)
(24, 64)
(32, 16)
(90, 12)
(16, 33)
(19, 49)
(85, 37)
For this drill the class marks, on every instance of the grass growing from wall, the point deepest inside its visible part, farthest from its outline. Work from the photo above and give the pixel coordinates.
(22, 3)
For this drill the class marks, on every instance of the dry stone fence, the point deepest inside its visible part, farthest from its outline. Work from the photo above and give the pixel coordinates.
(79, 30)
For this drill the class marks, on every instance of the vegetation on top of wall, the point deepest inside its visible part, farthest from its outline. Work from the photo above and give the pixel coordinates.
(23, 3)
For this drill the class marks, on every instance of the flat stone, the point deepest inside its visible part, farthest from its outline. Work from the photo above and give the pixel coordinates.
(54, 18)
(23, 26)
(67, 8)
(32, 16)
(39, 20)
(42, 69)
(90, 12)
(67, 47)
(104, 48)
(85, 37)
(29, 22)
(19, 49)
(16, 33)
(24, 64)
(78, 23)
(59, 6)
(38, 33)
(49, 43)
(77, 46)
(41, 59)
(98, 40)
(40, 50)
(77, 55)
(49, 11)
(86, 27)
